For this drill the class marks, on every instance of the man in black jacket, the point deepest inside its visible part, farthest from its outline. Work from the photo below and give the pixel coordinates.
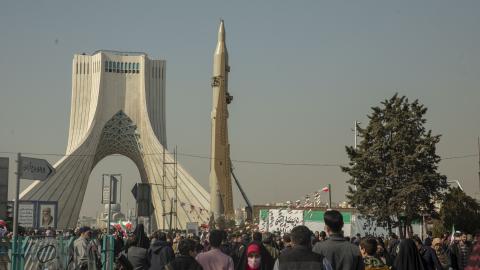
(300, 256)
(340, 253)
(160, 252)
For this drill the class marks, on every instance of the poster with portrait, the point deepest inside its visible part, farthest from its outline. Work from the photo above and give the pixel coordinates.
(47, 215)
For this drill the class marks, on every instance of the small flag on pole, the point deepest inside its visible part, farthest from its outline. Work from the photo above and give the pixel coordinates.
(325, 189)
(452, 238)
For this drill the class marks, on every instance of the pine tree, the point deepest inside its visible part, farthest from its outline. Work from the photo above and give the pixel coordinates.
(394, 178)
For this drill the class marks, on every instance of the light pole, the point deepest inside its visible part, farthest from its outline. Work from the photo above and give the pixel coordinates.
(456, 182)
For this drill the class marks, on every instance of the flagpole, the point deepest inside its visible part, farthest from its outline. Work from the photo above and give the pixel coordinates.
(330, 196)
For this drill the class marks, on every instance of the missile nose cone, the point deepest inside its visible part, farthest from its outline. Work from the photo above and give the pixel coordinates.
(221, 32)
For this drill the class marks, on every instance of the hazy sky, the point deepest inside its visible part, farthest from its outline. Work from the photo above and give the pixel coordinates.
(301, 73)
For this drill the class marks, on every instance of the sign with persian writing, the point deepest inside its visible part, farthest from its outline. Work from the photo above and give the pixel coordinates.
(284, 220)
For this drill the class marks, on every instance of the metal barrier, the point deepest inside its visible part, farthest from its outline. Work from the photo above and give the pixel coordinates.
(41, 253)
(52, 253)
(108, 247)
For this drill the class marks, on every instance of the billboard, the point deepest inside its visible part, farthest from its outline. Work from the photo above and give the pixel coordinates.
(284, 220)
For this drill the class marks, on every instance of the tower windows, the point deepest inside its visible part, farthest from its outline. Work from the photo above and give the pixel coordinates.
(117, 67)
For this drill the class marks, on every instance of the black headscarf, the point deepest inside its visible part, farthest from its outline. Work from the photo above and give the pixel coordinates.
(408, 257)
(266, 262)
(141, 237)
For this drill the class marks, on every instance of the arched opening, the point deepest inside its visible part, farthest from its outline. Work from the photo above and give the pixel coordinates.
(92, 207)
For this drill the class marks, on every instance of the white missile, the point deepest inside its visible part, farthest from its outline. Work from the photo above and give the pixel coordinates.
(220, 178)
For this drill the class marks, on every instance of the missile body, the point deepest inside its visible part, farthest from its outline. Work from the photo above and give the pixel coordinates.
(221, 199)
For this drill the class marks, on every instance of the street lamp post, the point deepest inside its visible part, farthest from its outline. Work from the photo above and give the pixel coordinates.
(456, 182)
(110, 184)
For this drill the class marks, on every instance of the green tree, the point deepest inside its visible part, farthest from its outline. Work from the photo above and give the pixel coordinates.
(460, 210)
(394, 178)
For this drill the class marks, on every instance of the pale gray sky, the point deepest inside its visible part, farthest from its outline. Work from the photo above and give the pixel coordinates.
(302, 72)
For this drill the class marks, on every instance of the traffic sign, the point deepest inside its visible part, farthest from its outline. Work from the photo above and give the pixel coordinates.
(35, 169)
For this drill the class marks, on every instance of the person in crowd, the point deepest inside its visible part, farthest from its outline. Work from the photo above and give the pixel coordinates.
(428, 240)
(279, 242)
(160, 252)
(257, 237)
(185, 260)
(341, 254)
(287, 242)
(474, 260)
(237, 243)
(408, 257)
(3, 228)
(358, 237)
(301, 256)
(267, 239)
(136, 253)
(392, 246)
(429, 257)
(94, 250)
(353, 239)
(323, 236)
(441, 254)
(459, 252)
(227, 246)
(382, 254)
(446, 242)
(215, 259)
(80, 249)
(119, 245)
(141, 237)
(176, 240)
(255, 257)
(316, 238)
(368, 249)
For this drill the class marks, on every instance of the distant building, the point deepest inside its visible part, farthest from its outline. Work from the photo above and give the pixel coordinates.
(87, 221)
(116, 215)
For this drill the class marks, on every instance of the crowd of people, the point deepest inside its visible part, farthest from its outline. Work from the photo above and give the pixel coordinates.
(298, 249)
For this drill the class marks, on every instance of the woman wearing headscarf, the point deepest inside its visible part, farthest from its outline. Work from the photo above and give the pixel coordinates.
(408, 257)
(141, 237)
(255, 257)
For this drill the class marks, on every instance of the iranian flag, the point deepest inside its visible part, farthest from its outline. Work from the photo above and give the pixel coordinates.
(325, 189)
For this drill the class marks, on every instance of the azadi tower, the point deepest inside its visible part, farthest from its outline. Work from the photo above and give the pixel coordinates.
(118, 107)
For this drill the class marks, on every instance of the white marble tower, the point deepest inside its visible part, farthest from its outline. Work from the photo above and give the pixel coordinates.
(118, 107)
